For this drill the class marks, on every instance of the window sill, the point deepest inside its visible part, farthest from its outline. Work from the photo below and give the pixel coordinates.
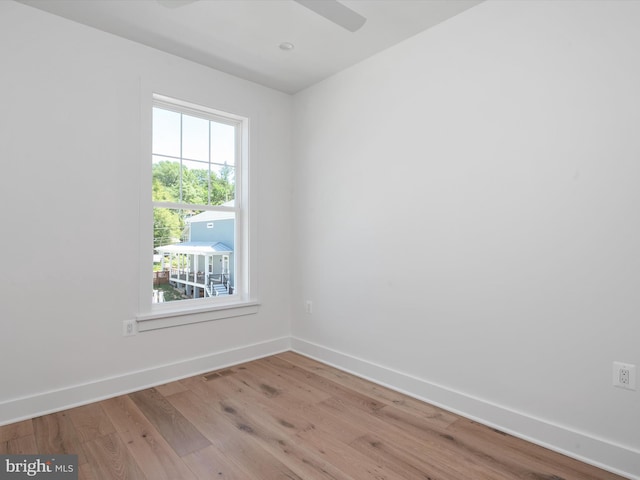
(185, 316)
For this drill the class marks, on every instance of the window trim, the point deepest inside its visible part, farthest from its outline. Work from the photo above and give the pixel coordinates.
(174, 318)
(155, 316)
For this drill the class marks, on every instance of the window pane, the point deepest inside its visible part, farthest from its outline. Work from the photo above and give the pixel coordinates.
(223, 143)
(168, 226)
(195, 138)
(195, 182)
(166, 180)
(166, 132)
(223, 184)
(193, 254)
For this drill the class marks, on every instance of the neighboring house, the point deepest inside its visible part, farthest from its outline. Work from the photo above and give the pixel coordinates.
(203, 266)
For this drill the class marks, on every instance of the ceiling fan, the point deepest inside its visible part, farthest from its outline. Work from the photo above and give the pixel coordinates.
(330, 9)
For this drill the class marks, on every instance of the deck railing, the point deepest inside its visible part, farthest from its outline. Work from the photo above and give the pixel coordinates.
(186, 276)
(206, 280)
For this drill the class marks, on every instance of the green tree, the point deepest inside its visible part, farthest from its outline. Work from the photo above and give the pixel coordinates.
(167, 174)
(167, 226)
(223, 186)
(195, 186)
(161, 193)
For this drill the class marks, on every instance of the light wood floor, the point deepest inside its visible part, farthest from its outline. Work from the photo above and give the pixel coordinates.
(282, 417)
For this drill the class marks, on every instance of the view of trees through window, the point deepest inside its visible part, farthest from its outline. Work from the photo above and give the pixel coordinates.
(168, 180)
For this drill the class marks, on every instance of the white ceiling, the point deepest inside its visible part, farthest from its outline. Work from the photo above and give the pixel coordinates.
(241, 37)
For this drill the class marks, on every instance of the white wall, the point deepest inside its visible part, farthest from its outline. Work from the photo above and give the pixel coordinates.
(466, 220)
(70, 128)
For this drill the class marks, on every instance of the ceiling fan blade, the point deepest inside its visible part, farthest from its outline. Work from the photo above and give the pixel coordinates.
(175, 3)
(336, 12)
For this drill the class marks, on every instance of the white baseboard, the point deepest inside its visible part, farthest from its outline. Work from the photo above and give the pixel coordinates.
(44, 403)
(581, 446)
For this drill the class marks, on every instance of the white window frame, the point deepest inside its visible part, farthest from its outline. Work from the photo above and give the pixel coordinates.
(244, 301)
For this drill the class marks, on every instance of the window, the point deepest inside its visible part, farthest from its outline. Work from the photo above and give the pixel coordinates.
(199, 164)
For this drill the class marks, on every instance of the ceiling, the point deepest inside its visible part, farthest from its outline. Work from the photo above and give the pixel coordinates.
(242, 37)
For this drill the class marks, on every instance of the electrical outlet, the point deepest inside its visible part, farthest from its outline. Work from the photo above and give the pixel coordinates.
(624, 375)
(128, 328)
(308, 307)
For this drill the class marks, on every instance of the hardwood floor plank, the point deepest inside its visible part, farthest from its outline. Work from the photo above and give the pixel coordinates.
(377, 392)
(329, 387)
(111, 461)
(55, 433)
(85, 472)
(90, 422)
(153, 454)
(22, 446)
(274, 432)
(272, 386)
(419, 436)
(286, 399)
(183, 437)
(303, 417)
(16, 430)
(538, 461)
(433, 454)
(290, 379)
(302, 423)
(383, 453)
(323, 439)
(210, 463)
(234, 441)
(347, 459)
(306, 419)
(232, 389)
(170, 388)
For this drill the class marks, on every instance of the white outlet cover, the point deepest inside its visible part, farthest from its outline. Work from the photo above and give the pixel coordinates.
(128, 328)
(619, 367)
